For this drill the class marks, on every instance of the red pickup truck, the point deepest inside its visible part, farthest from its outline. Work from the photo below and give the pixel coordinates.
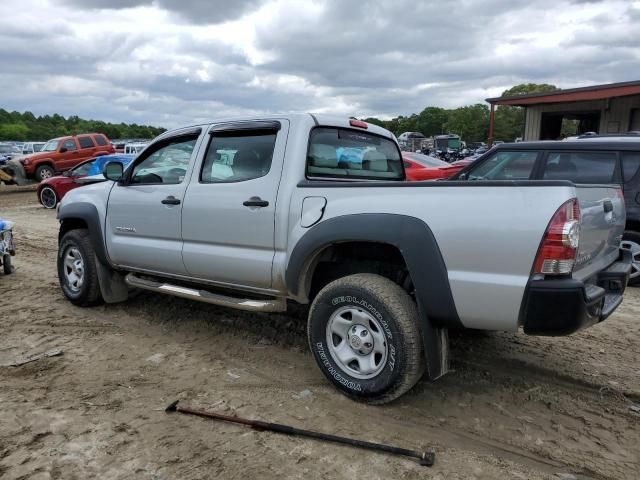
(63, 153)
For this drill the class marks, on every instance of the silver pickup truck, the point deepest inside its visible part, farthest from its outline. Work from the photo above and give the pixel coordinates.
(314, 209)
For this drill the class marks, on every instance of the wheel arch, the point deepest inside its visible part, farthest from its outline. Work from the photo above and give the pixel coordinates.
(411, 237)
(44, 161)
(84, 215)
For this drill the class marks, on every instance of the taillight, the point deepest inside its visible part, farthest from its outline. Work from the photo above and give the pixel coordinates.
(557, 253)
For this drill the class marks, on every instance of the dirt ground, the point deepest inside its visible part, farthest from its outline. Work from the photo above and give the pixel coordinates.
(513, 407)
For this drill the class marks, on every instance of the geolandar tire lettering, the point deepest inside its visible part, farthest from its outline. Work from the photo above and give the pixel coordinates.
(364, 334)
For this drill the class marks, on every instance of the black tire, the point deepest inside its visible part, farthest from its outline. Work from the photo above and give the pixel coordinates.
(48, 198)
(87, 293)
(395, 311)
(43, 172)
(631, 239)
(6, 264)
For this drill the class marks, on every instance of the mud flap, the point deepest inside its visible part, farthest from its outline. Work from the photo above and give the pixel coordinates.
(112, 285)
(436, 348)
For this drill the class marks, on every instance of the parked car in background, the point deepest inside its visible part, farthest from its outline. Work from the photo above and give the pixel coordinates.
(61, 154)
(403, 137)
(51, 190)
(593, 160)
(8, 151)
(32, 147)
(412, 141)
(134, 148)
(118, 146)
(422, 167)
(7, 247)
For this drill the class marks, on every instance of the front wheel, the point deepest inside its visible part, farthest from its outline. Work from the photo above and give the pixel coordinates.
(77, 269)
(48, 197)
(44, 171)
(631, 242)
(364, 334)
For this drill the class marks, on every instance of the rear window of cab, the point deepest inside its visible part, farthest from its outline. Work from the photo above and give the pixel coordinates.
(347, 154)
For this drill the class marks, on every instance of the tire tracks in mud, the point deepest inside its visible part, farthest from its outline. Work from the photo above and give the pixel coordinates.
(542, 375)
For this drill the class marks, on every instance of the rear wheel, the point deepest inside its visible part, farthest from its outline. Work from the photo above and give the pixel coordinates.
(44, 171)
(364, 334)
(77, 269)
(48, 197)
(631, 242)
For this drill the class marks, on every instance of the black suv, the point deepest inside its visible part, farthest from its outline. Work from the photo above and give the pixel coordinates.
(586, 160)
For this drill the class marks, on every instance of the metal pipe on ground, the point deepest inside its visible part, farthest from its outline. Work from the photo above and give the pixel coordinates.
(425, 458)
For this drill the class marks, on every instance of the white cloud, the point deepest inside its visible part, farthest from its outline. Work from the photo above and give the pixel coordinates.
(170, 62)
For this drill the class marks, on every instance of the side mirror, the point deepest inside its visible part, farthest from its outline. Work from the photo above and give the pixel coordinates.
(63, 149)
(113, 171)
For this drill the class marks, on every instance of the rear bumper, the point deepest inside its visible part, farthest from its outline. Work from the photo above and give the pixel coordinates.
(564, 306)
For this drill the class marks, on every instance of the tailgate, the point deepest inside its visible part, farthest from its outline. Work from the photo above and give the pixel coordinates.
(602, 222)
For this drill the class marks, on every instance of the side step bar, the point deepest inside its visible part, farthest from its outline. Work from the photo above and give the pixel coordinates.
(250, 305)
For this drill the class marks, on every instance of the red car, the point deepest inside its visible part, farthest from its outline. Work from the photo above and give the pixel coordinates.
(422, 167)
(51, 190)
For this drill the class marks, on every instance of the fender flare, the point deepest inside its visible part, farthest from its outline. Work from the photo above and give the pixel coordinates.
(88, 214)
(411, 236)
(112, 285)
(44, 161)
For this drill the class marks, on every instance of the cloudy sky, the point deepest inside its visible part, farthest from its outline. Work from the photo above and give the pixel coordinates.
(176, 62)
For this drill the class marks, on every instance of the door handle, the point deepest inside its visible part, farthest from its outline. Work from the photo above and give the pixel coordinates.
(255, 202)
(171, 200)
(608, 206)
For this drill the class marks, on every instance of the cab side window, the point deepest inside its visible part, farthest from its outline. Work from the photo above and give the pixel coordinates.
(582, 167)
(238, 156)
(166, 162)
(70, 145)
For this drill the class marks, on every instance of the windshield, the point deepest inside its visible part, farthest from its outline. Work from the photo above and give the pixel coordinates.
(425, 160)
(50, 146)
(83, 168)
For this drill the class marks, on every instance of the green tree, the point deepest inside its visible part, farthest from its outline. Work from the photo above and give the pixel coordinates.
(432, 121)
(470, 122)
(509, 121)
(528, 89)
(14, 131)
(26, 126)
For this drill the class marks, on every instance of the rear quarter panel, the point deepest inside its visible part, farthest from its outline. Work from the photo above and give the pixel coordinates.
(488, 236)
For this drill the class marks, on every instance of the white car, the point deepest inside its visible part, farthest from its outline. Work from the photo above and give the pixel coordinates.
(32, 147)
